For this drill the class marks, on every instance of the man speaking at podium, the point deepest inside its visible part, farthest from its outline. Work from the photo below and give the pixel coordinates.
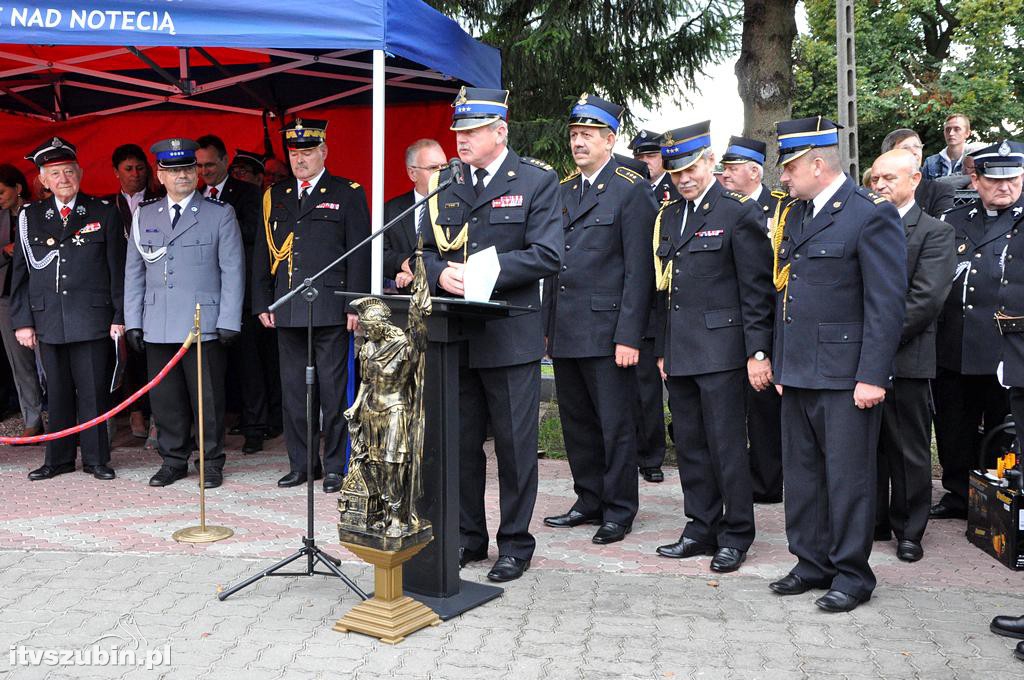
(512, 204)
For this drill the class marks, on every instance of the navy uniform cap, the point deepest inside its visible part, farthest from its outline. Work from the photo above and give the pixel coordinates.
(251, 157)
(176, 152)
(304, 133)
(744, 150)
(646, 141)
(797, 137)
(593, 111)
(682, 147)
(53, 150)
(1004, 160)
(477, 106)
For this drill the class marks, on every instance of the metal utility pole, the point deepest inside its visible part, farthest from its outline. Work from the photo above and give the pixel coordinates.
(846, 78)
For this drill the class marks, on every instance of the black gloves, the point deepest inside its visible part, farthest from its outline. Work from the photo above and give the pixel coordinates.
(226, 337)
(135, 341)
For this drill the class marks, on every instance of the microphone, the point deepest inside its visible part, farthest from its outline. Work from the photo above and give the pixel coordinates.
(455, 165)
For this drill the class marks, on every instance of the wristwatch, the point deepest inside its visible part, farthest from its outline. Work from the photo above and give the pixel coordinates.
(760, 356)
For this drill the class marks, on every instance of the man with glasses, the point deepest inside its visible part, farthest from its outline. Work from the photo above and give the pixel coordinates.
(423, 158)
(934, 198)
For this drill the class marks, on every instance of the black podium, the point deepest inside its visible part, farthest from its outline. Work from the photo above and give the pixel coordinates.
(432, 577)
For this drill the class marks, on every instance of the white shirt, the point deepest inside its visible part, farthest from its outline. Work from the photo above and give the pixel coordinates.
(757, 194)
(134, 199)
(312, 181)
(655, 183)
(219, 188)
(823, 197)
(183, 203)
(696, 202)
(491, 169)
(416, 198)
(904, 209)
(60, 206)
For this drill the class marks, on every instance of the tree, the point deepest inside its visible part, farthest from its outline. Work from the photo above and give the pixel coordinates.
(765, 71)
(627, 51)
(917, 62)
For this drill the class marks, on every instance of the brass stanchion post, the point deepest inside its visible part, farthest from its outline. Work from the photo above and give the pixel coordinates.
(201, 533)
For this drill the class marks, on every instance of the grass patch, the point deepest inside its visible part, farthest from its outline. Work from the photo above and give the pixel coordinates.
(551, 442)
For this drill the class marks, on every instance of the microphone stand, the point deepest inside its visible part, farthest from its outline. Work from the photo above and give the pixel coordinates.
(309, 549)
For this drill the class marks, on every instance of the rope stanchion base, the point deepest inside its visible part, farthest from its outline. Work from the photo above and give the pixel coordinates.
(207, 534)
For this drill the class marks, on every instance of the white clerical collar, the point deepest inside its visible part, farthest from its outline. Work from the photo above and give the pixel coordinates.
(312, 182)
(823, 197)
(904, 209)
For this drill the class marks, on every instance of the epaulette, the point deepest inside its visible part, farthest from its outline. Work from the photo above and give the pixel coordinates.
(628, 174)
(354, 185)
(215, 201)
(149, 201)
(779, 194)
(871, 195)
(736, 196)
(571, 176)
(540, 164)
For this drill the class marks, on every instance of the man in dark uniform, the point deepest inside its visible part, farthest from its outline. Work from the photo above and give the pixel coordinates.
(184, 250)
(309, 222)
(714, 336)
(904, 447)
(423, 158)
(67, 287)
(742, 172)
(650, 416)
(596, 309)
(967, 391)
(840, 272)
(512, 204)
(252, 371)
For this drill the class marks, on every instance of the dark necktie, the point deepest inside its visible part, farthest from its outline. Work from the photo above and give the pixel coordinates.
(480, 174)
(808, 216)
(687, 211)
(177, 216)
(586, 188)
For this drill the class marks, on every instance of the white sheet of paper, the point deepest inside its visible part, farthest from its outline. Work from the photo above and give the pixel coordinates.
(480, 275)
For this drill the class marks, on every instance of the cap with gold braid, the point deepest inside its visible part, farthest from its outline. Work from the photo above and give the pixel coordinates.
(682, 147)
(797, 137)
(304, 133)
(478, 106)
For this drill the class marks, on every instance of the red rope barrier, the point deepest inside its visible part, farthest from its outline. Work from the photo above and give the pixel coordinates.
(50, 436)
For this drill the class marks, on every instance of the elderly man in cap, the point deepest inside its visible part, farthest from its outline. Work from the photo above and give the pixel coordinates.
(743, 173)
(596, 310)
(968, 393)
(511, 204)
(184, 250)
(840, 273)
(714, 338)
(308, 223)
(67, 298)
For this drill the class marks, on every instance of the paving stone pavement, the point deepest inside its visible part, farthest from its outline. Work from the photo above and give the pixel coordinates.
(86, 563)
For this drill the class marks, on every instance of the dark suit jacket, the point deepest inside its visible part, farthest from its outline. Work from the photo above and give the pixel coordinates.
(399, 240)
(525, 228)
(245, 199)
(124, 210)
(1011, 301)
(931, 260)
(839, 320)
(717, 311)
(602, 295)
(933, 197)
(334, 219)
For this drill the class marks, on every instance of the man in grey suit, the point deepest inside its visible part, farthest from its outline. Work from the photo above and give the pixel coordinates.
(184, 250)
(904, 446)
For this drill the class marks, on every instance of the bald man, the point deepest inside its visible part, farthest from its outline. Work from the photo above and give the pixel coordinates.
(904, 451)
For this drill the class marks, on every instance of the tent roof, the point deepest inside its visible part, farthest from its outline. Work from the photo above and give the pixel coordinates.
(230, 55)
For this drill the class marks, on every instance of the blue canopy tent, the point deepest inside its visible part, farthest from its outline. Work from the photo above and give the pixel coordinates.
(281, 59)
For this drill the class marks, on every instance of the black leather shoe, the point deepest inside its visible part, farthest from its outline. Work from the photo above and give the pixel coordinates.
(652, 474)
(212, 478)
(942, 511)
(167, 475)
(99, 471)
(882, 534)
(253, 443)
(51, 471)
(272, 433)
(909, 551)
(686, 547)
(1018, 653)
(507, 568)
(791, 584)
(292, 479)
(332, 482)
(728, 559)
(610, 532)
(837, 601)
(1008, 626)
(467, 556)
(571, 519)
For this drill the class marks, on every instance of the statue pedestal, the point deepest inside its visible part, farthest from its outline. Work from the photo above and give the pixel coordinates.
(389, 615)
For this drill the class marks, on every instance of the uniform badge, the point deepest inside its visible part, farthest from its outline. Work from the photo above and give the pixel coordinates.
(1017, 211)
(288, 190)
(329, 206)
(583, 99)
(709, 232)
(1004, 149)
(461, 98)
(195, 209)
(50, 241)
(77, 240)
(511, 173)
(89, 228)
(452, 205)
(508, 202)
(152, 230)
(56, 143)
(600, 186)
(80, 210)
(176, 144)
(837, 204)
(49, 214)
(962, 248)
(705, 206)
(972, 213)
(323, 190)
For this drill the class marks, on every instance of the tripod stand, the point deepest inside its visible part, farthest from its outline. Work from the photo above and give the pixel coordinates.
(309, 549)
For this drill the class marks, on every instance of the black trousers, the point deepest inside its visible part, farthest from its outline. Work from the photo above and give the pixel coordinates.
(650, 408)
(905, 459)
(764, 432)
(175, 403)
(963, 405)
(330, 356)
(508, 398)
(1017, 408)
(600, 435)
(78, 389)
(711, 445)
(829, 454)
(254, 361)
